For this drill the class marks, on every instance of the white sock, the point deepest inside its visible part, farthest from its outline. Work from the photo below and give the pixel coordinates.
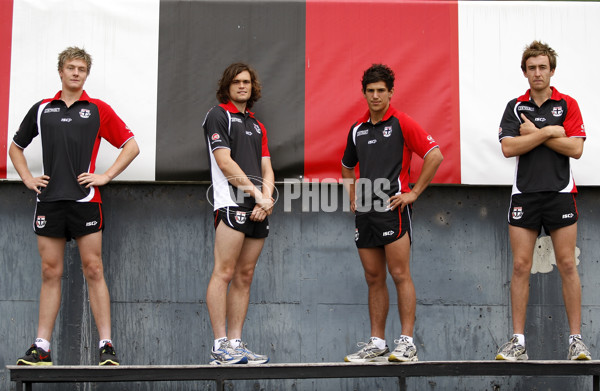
(572, 337)
(104, 342)
(235, 342)
(520, 339)
(380, 343)
(409, 339)
(217, 343)
(42, 343)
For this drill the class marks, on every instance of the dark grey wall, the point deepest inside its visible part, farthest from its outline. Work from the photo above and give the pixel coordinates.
(309, 298)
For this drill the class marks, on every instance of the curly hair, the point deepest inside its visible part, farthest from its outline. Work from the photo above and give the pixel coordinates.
(229, 74)
(537, 48)
(71, 53)
(378, 72)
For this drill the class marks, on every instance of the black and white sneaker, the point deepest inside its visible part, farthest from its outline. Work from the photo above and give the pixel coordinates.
(35, 356)
(108, 355)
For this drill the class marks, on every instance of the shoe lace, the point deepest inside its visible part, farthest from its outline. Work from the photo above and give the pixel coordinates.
(578, 345)
(32, 350)
(107, 349)
(403, 343)
(366, 346)
(226, 346)
(512, 344)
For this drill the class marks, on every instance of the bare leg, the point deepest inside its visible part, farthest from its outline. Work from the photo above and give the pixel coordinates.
(228, 246)
(52, 252)
(564, 241)
(398, 258)
(373, 261)
(90, 250)
(522, 241)
(239, 291)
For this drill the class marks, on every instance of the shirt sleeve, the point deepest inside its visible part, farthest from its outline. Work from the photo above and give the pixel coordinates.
(573, 123)
(350, 158)
(510, 123)
(216, 128)
(417, 139)
(28, 129)
(265, 142)
(112, 127)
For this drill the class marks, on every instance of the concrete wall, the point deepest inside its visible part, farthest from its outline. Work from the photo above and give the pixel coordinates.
(309, 298)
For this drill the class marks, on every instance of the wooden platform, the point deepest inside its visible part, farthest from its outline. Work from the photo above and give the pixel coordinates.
(26, 376)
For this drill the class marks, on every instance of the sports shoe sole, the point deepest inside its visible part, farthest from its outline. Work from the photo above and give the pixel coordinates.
(257, 362)
(34, 364)
(502, 357)
(402, 359)
(242, 360)
(582, 356)
(383, 358)
(108, 363)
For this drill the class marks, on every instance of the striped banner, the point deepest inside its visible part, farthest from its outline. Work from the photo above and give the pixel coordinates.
(157, 64)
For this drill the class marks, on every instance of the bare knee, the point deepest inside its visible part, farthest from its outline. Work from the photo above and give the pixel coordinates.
(244, 277)
(51, 272)
(566, 266)
(223, 273)
(93, 271)
(400, 275)
(375, 278)
(522, 268)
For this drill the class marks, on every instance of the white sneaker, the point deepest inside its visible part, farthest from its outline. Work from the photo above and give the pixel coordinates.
(368, 353)
(404, 351)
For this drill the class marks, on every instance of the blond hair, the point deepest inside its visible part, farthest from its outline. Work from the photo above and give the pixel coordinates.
(73, 52)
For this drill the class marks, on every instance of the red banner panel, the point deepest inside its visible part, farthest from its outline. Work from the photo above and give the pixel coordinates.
(418, 40)
(6, 15)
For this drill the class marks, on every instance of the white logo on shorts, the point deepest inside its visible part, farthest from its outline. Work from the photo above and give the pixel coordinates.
(388, 233)
(356, 235)
(517, 212)
(240, 217)
(40, 221)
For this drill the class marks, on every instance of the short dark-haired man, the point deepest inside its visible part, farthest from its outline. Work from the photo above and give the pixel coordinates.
(382, 142)
(71, 126)
(544, 130)
(242, 186)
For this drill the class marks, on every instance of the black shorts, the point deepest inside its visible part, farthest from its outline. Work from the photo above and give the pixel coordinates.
(239, 219)
(376, 229)
(549, 210)
(67, 219)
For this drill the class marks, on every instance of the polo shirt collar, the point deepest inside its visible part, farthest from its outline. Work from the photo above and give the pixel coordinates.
(390, 111)
(527, 95)
(84, 96)
(229, 106)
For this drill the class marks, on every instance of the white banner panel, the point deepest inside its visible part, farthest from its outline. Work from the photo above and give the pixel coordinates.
(121, 36)
(492, 36)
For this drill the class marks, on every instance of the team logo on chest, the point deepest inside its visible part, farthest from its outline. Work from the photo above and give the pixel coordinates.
(257, 128)
(84, 113)
(387, 131)
(557, 111)
(40, 221)
(517, 212)
(240, 217)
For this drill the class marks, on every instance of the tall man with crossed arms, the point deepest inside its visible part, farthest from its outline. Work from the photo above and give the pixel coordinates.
(543, 129)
